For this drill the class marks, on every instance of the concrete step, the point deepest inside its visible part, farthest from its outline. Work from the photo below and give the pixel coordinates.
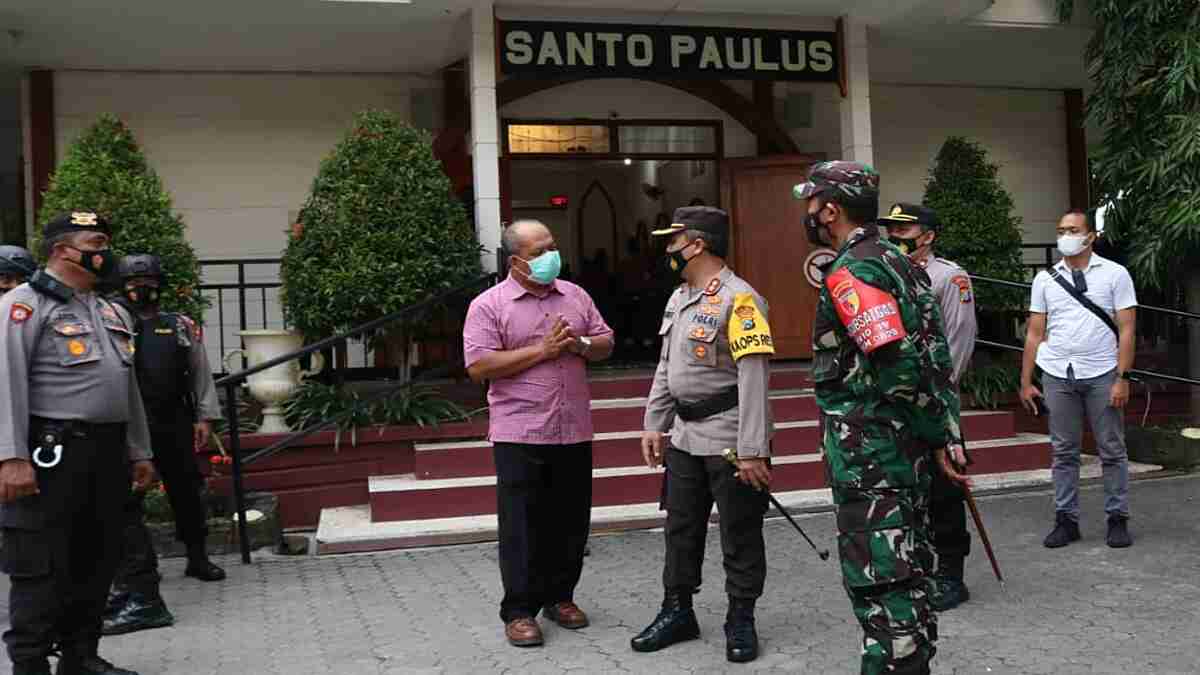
(623, 448)
(405, 497)
(352, 530)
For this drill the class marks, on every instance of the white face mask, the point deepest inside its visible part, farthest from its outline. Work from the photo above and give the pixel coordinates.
(1072, 244)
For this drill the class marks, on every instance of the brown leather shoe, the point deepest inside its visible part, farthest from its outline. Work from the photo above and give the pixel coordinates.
(567, 614)
(523, 632)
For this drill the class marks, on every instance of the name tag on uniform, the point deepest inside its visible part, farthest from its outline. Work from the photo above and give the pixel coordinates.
(163, 331)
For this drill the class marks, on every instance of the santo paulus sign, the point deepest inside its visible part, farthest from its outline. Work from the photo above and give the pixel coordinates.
(552, 49)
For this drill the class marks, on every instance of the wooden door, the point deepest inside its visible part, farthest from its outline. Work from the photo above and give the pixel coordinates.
(769, 244)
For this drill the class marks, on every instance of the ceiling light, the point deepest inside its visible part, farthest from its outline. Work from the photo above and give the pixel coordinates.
(381, 2)
(628, 161)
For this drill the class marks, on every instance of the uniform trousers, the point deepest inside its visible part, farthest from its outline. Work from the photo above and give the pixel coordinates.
(692, 485)
(175, 462)
(544, 507)
(948, 513)
(61, 562)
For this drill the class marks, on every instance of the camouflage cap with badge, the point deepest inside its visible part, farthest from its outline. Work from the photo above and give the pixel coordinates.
(851, 181)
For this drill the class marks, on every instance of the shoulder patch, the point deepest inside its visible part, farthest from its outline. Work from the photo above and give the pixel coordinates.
(20, 312)
(749, 332)
(964, 288)
(871, 315)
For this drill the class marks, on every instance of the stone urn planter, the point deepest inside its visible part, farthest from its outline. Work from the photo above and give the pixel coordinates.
(274, 385)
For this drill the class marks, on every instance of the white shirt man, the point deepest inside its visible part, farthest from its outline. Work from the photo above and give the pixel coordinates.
(1083, 366)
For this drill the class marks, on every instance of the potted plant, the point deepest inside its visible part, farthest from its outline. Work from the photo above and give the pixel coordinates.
(105, 170)
(380, 230)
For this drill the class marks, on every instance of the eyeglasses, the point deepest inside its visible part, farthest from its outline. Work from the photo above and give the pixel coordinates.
(1079, 280)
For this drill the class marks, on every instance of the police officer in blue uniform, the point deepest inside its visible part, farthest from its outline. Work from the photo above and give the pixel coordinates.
(72, 431)
(180, 399)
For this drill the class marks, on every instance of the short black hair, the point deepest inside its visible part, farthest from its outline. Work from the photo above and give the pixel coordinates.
(49, 243)
(1089, 217)
(860, 211)
(717, 244)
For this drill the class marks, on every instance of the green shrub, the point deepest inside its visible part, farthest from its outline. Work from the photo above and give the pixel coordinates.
(979, 230)
(105, 171)
(986, 384)
(381, 230)
(315, 402)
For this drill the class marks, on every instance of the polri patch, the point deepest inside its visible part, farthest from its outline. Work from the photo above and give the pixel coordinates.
(749, 332)
(20, 312)
(964, 288)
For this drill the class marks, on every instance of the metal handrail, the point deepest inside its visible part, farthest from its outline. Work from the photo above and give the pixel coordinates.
(1149, 308)
(231, 382)
(243, 375)
(1132, 371)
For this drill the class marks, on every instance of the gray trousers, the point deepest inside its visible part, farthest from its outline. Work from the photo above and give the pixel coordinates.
(1068, 401)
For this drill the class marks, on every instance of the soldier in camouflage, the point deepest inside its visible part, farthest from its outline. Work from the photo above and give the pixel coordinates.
(881, 368)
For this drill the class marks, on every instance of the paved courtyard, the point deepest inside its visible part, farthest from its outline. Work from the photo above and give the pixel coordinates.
(1082, 609)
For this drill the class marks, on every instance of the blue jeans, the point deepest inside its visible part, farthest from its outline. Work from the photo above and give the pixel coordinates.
(1068, 401)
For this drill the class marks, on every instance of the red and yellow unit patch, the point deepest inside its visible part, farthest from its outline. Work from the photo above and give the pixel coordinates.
(749, 332)
(964, 288)
(20, 312)
(870, 315)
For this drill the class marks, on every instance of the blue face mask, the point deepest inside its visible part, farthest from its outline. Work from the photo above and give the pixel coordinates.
(544, 269)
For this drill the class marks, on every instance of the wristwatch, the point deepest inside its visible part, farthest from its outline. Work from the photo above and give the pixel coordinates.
(1124, 376)
(587, 345)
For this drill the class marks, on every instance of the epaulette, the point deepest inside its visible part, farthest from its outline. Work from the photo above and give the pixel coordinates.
(47, 285)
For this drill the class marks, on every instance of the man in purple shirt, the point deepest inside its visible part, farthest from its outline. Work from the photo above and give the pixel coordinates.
(530, 336)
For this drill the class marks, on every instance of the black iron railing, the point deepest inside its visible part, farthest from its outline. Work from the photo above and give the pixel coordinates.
(1141, 308)
(231, 382)
(244, 291)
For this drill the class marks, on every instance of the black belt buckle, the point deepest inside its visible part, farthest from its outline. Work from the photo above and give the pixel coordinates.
(48, 453)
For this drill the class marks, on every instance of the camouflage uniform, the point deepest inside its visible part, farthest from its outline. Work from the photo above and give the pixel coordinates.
(881, 368)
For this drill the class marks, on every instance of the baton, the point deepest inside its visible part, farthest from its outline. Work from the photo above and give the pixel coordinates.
(730, 456)
(983, 535)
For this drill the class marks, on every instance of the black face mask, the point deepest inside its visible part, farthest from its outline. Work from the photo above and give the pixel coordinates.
(99, 263)
(142, 297)
(813, 227)
(676, 261)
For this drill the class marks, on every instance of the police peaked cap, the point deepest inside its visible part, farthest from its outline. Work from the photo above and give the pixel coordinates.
(16, 260)
(141, 265)
(699, 218)
(75, 221)
(904, 213)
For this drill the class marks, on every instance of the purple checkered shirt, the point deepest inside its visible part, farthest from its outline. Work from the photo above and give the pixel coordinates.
(549, 404)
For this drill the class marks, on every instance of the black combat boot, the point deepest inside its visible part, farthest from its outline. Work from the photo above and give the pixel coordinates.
(676, 622)
(949, 591)
(138, 613)
(199, 566)
(741, 640)
(1118, 532)
(32, 667)
(1065, 531)
(74, 664)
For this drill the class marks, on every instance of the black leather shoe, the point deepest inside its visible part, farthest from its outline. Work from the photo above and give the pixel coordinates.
(137, 614)
(34, 667)
(204, 571)
(948, 593)
(1118, 532)
(741, 639)
(1065, 531)
(675, 623)
(88, 665)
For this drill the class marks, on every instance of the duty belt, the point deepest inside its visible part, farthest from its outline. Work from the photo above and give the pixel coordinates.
(49, 435)
(692, 412)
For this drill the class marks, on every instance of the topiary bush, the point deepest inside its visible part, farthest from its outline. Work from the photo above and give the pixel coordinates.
(105, 171)
(380, 230)
(979, 230)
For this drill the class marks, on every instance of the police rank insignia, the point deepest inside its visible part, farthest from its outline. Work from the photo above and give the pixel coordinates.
(84, 218)
(749, 332)
(714, 300)
(698, 333)
(20, 312)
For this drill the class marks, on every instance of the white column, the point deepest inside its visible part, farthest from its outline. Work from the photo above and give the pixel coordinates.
(485, 134)
(856, 106)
